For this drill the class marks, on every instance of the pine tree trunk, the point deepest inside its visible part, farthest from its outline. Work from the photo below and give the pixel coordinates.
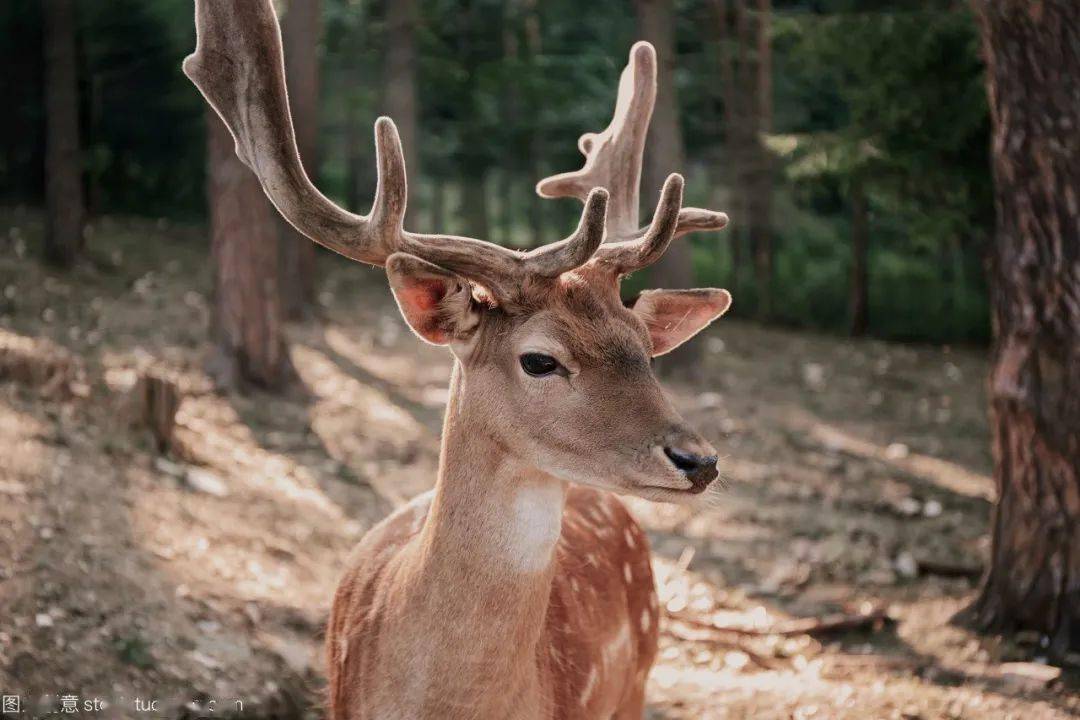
(760, 200)
(399, 90)
(535, 149)
(734, 132)
(859, 298)
(63, 163)
(474, 206)
(247, 304)
(1032, 52)
(664, 155)
(301, 29)
(354, 158)
(438, 205)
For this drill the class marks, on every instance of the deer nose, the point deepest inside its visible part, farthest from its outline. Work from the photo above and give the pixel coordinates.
(698, 469)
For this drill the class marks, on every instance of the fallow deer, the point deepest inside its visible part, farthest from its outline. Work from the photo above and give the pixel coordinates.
(520, 587)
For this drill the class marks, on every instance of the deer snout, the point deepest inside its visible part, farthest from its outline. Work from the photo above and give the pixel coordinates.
(698, 467)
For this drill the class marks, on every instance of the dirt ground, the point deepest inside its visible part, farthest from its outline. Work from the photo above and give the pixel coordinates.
(857, 481)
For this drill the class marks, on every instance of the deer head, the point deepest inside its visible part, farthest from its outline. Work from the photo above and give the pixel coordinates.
(552, 363)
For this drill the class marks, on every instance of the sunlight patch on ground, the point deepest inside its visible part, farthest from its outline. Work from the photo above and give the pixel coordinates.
(946, 475)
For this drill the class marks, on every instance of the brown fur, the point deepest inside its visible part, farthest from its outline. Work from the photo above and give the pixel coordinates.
(465, 605)
(587, 603)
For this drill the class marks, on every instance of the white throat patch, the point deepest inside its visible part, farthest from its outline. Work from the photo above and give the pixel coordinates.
(536, 523)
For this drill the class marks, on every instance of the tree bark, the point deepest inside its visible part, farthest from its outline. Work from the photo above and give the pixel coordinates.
(63, 163)
(859, 297)
(301, 30)
(474, 204)
(354, 158)
(664, 155)
(247, 303)
(535, 149)
(1032, 53)
(760, 200)
(399, 90)
(732, 94)
(438, 205)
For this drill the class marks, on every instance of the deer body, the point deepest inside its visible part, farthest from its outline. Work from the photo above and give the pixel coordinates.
(504, 593)
(521, 587)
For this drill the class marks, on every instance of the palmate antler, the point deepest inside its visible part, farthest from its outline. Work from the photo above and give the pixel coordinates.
(238, 67)
(613, 160)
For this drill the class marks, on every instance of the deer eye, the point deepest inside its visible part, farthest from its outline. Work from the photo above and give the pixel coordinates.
(538, 365)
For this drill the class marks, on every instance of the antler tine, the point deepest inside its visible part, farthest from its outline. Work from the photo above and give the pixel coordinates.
(629, 255)
(613, 160)
(555, 259)
(613, 157)
(691, 220)
(238, 65)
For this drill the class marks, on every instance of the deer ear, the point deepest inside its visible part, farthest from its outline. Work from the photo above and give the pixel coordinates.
(435, 302)
(675, 316)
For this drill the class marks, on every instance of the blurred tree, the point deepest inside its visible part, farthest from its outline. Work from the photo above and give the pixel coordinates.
(399, 88)
(744, 47)
(664, 155)
(760, 185)
(913, 174)
(506, 86)
(22, 124)
(301, 31)
(859, 299)
(63, 159)
(476, 148)
(1032, 52)
(730, 19)
(247, 317)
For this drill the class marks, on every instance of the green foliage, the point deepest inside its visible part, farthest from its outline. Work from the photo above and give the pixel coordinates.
(892, 99)
(887, 93)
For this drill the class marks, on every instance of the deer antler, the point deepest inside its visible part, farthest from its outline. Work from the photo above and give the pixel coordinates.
(613, 160)
(238, 67)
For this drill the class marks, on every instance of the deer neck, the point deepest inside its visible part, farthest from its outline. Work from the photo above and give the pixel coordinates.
(486, 555)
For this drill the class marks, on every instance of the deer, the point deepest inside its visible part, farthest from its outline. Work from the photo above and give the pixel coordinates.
(520, 586)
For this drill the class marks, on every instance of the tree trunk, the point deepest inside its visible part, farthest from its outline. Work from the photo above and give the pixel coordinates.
(664, 155)
(1032, 53)
(535, 148)
(732, 160)
(399, 90)
(760, 201)
(438, 205)
(247, 305)
(301, 29)
(354, 158)
(859, 300)
(63, 163)
(474, 206)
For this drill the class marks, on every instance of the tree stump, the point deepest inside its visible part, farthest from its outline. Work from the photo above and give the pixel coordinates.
(34, 362)
(156, 398)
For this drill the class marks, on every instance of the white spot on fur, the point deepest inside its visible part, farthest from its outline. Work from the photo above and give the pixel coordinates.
(574, 586)
(652, 600)
(630, 541)
(646, 620)
(537, 522)
(590, 686)
(627, 573)
(617, 652)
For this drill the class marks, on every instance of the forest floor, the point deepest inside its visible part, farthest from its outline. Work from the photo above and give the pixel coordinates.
(858, 481)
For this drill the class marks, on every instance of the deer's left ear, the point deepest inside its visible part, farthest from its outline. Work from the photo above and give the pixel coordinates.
(435, 302)
(675, 316)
